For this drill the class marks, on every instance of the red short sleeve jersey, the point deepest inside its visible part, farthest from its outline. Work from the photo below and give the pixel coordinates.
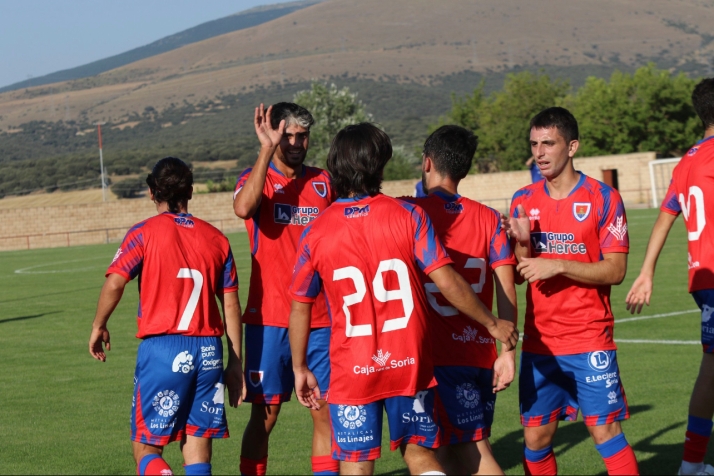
(471, 233)
(182, 263)
(286, 208)
(564, 316)
(368, 253)
(691, 193)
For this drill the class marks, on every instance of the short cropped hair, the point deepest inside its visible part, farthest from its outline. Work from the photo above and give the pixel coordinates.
(561, 119)
(292, 113)
(703, 101)
(170, 181)
(356, 160)
(451, 149)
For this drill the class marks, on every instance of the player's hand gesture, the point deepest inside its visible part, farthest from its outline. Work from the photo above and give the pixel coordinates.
(504, 371)
(506, 332)
(517, 228)
(268, 137)
(235, 382)
(538, 269)
(639, 294)
(306, 389)
(99, 336)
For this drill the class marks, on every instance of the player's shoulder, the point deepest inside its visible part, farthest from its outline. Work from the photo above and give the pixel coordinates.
(529, 190)
(316, 173)
(599, 190)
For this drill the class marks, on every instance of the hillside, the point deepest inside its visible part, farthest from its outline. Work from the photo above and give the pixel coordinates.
(404, 41)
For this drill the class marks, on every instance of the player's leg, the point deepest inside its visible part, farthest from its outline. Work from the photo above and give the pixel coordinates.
(413, 429)
(197, 452)
(546, 396)
(318, 360)
(149, 459)
(357, 436)
(602, 400)
(269, 381)
(465, 405)
(701, 404)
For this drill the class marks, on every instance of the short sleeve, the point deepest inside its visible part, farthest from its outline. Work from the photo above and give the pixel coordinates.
(306, 283)
(129, 258)
(500, 252)
(429, 251)
(612, 227)
(241, 181)
(670, 204)
(230, 276)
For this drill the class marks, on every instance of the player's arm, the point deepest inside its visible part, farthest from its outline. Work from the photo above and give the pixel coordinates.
(519, 230)
(610, 270)
(641, 289)
(458, 292)
(248, 199)
(234, 337)
(306, 388)
(504, 369)
(109, 297)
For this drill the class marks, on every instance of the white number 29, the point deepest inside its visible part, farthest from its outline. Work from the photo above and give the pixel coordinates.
(197, 278)
(404, 294)
(447, 311)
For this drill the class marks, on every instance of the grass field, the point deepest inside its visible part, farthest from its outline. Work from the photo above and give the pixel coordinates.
(61, 412)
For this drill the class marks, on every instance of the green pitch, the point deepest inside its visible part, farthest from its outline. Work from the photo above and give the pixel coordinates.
(63, 412)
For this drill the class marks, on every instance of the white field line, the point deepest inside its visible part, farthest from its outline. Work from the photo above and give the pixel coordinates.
(656, 316)
(664, 342)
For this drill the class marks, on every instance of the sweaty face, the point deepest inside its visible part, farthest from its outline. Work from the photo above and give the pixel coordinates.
(293, 145)
(552, 153)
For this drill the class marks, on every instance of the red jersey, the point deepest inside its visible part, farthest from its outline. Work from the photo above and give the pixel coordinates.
(564, 316)
(692, 187)
(368, 252)
(471, 233)
(286, 208)
(182, 263)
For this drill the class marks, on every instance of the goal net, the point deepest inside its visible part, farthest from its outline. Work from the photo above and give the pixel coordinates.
(660, 176)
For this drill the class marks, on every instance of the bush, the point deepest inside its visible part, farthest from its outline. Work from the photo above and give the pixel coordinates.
(129, 188)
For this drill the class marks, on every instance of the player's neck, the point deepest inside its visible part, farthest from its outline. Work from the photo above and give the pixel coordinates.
(560, 187)
(709, 132)
(163, 207)
(288, 171)
(445, 186)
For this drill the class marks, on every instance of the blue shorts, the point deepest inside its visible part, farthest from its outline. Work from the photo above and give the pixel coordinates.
(554, 387)
(357, 429)
(178, 389)
(465, 403)
(705, 301)
(269, 364)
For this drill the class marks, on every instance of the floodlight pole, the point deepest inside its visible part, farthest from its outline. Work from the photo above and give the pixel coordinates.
(101, 161)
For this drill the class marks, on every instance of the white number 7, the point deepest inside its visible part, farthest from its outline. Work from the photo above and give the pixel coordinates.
(197, 278)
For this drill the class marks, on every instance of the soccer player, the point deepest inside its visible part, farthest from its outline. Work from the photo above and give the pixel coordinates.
(692, 187)
(367, 251)
(278, 198)
(183, 265)
(468, 369)
(571, 243)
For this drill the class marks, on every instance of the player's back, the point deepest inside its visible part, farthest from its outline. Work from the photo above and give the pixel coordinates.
(182, 263)
(367, 252)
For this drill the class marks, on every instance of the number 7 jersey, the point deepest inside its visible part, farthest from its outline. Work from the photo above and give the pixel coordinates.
(182, 263)
(368, 254)
(691, 193)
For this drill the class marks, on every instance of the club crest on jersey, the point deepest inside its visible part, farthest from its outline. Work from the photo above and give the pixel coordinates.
(255, 377)
(581, 210)
(453, 207)
(320, 188)
(356, 212)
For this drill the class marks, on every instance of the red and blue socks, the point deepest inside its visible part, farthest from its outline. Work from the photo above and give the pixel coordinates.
(618, 456)
(325, 466)
(695, 443)
(153, 464)
(198, 469)
(539, 462)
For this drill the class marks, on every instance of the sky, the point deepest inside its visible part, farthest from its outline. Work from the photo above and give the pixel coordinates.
(39, 37)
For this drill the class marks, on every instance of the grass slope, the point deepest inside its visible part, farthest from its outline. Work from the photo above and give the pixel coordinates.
(64, 413)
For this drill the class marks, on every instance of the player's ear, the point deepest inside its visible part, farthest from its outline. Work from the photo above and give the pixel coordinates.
(190, 193)
(573, 148)
(426, 163)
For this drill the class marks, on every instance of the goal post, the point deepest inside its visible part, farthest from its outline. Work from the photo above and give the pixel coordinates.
(660, 176)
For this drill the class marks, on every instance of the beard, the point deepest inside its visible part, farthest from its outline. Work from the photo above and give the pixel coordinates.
(423, 183)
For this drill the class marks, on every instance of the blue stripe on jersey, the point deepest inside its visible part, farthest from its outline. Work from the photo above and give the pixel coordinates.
(704, 140)
(524, 192)
(229, 282)
(447, 196)
(356, 198)
(577, 186)
(606, 193)
(424, 249)
(243, 174)
(256, 230)
(495, 254)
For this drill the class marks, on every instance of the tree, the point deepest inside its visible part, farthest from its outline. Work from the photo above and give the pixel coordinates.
(333, 109)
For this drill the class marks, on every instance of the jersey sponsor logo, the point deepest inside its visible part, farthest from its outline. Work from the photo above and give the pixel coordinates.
(452, 207)
(352, 417)
(356, 212)
(183, 362)
(612, 398)
(255, 377)
(467, 395)
(468, 335)
(320, 188)
(618, 229)
(691, 264)
(599, 360)
(556, 243)
(707, 313)
(278, 188)
(419, 414)
(166, 403)
(117, 255)
(534, 214)
(292, 215)
(383, 364)
(581, 210)
(184, 222)
(381, 358)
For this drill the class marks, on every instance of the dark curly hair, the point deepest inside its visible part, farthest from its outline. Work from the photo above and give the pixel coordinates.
(703, 101)
(451, 148)
(171, 181)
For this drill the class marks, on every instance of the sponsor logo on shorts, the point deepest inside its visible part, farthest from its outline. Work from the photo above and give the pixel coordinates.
(255, 377)
(210, 361)
(612, 398)
(610, 378)
(184, 222)
(690, 264)
(218, 400)
(351, 416)
(166, 403)
(183, 363)
(467, 395)
(556, 243)
(618, 229)
(419, 414)
(707, 313)
(599, 360)
(292, 215)
(320, 188)
(357, 212)
(383, 364)
(453, 207)
(581, 210)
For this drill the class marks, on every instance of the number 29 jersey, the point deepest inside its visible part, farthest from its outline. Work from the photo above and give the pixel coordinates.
(564, 316)
(691, 193)
(182, 263)
(367, 252)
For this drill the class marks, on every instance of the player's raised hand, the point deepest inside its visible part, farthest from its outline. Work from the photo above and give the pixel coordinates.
(504, 371)
(267, 136)
(517, 228)
(99, 336)
(639, 294)
(506, 332)
(306, 389)
(235, 383)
